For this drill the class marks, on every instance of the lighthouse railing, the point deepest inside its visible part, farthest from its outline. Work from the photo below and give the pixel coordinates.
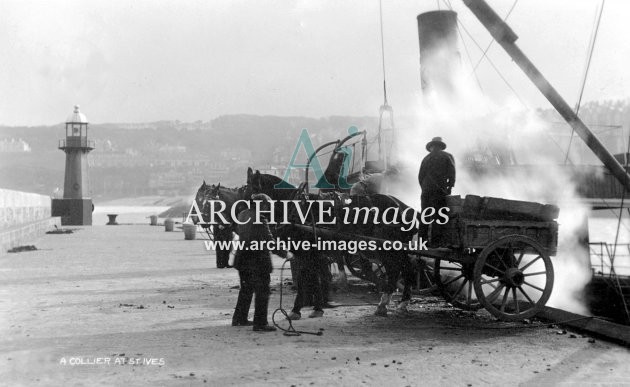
(76, 142)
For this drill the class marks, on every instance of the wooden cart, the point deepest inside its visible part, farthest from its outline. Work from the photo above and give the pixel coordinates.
(496, 255)
(493, 253)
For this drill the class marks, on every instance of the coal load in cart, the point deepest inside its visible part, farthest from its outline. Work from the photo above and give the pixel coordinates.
(477, 221)
(501, 249)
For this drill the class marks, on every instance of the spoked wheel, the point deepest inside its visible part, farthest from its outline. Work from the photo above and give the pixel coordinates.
(455, 281)
(424, 282)
(513, 278)
(210, 232)
(362, 267)
(332, 262)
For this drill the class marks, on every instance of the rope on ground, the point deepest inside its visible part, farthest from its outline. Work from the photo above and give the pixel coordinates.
(291, 331)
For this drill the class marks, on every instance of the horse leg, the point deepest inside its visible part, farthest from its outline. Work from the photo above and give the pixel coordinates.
(381, 309)
(406, 296)
(408, 274)
(392, 272)
(343, 278)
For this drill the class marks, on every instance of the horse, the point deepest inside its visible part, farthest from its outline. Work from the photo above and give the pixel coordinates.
(200, 199)
(266, 183)
(222, 230)
(229, 196)
(395, 262)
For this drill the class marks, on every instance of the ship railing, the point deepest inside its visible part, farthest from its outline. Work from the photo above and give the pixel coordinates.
(608, 259)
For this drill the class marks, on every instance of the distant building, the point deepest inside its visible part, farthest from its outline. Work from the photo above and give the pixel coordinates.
(128, 158)
(176, 176)
(296, 175)
(609, 120)
(178, 125)
(12, 145)
(139, 125)
(235, 154)
(172, 149)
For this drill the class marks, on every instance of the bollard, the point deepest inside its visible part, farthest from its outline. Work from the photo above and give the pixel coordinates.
(112, 219)
(153, 220)
(168, 224)
(190, 231)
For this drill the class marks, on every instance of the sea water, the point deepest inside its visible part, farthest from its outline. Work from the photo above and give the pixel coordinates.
(126, 214)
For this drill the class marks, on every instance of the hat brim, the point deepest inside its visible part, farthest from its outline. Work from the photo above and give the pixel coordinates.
(440, 145)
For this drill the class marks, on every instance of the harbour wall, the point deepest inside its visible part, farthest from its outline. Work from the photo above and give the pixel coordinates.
(24, 216)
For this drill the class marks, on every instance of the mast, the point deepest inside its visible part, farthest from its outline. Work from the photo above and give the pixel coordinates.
(386, 155)
(504, 35)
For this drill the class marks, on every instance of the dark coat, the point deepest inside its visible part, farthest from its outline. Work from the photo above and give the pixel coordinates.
(437, 172)
(253, 260)
(222, 233)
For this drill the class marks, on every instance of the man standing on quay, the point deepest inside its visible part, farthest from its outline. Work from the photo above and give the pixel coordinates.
(254, 268)
(436, 178)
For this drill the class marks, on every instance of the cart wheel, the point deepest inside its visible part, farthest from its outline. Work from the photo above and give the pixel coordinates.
(455, 281)
(362, 267)
(332, 263)
(424, 281)
(210, 231)
(513, 277)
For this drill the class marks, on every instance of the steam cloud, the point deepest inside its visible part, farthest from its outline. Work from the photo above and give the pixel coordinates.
(471, 124)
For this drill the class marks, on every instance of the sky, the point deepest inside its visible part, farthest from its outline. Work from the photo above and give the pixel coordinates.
(139, 61)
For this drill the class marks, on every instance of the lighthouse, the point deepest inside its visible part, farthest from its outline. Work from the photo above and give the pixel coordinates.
(76, 207)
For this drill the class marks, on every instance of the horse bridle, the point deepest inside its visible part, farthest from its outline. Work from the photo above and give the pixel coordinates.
(214, 193)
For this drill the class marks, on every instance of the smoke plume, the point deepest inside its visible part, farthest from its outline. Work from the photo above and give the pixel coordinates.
(478, 131)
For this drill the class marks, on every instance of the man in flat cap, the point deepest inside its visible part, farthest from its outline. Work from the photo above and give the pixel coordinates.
(436, 178)
(254, 268)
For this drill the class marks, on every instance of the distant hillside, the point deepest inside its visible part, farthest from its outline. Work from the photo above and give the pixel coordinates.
(42, 169)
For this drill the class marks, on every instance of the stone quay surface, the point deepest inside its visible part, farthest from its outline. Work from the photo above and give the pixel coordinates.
(134, 305)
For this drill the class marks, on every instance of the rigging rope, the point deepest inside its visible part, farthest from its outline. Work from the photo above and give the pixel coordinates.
(380, 8)
(591, 49)
(461, 37)
(614, 252)
(623, 196)
(496, 69)
(485, 52)
(484, 55)
(385, 107)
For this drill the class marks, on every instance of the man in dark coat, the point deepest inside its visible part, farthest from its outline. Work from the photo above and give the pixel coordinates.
(222, 232)
(312, 284)
(436, 178)
(254, 268)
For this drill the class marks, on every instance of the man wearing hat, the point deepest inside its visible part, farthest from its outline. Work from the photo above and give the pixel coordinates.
(436, 178)
(254, 268)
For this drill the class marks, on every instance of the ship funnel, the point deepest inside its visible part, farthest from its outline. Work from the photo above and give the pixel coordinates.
(439, 52)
